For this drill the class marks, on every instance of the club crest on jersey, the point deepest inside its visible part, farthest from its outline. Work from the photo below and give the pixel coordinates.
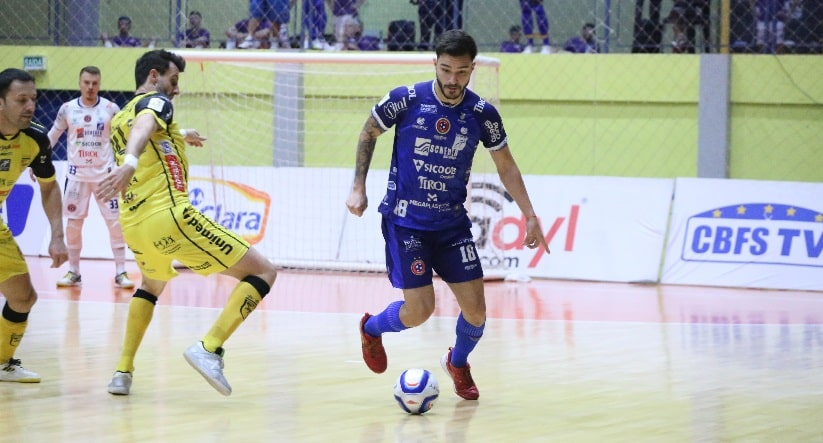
(418, 267)
(166, 147)
(443, 125)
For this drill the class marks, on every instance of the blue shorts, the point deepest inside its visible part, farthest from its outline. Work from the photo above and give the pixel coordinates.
(275, 11)
(412, 255)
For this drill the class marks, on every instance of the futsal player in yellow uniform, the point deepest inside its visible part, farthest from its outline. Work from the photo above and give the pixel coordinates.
(23, 144)
(160, 224)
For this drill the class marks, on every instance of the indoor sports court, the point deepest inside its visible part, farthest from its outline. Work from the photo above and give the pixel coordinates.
(560, 361)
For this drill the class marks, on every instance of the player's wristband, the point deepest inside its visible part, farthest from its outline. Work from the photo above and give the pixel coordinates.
(130, 160)
(184, 133)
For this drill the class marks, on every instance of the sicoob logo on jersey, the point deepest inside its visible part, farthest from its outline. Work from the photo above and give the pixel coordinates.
(418, 267)
(442, 125)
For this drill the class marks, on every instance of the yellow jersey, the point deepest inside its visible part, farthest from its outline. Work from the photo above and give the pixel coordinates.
(29, 147)
(161, 179)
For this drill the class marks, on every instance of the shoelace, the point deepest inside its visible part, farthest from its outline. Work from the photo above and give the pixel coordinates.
(13, 362)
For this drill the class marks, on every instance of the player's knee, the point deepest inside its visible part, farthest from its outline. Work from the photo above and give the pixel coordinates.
(22, 301)
(417, 312)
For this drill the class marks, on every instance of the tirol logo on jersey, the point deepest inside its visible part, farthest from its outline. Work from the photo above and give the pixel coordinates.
(241, 208)
(757, 233)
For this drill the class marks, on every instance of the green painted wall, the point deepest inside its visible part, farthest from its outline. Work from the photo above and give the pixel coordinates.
(620, 115)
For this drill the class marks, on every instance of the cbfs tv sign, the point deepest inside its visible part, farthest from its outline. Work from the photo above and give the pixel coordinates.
(756, 233)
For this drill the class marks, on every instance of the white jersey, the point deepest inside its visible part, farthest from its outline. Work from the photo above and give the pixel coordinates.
(89, 153)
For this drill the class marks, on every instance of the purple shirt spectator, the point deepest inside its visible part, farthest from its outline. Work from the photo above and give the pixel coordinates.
(510, 46)
(126, 41)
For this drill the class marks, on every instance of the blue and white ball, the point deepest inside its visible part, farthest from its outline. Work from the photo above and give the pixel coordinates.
(416, 390)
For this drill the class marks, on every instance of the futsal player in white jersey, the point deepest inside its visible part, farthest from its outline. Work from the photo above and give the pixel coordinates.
(86, 121)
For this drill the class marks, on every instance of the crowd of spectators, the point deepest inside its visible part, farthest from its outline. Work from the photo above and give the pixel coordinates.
(758, 26)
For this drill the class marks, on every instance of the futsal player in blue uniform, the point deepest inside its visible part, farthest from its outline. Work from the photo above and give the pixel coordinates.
(438, 126)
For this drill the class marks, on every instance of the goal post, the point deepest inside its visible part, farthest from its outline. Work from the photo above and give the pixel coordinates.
(282, 132)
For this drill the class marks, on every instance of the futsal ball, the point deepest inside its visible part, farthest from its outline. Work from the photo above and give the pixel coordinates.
(416, 390)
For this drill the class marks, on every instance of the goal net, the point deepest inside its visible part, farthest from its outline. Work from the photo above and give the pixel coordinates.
(282, 134)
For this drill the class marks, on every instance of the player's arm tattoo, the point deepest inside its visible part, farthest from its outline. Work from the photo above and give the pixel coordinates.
(365, 147)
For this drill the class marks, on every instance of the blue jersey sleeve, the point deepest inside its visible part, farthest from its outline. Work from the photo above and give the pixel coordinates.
(493, 135)
(390, 109)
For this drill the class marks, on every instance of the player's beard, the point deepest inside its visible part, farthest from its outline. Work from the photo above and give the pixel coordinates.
(453, 97)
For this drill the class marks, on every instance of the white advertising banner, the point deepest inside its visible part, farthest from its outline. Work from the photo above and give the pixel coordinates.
(23, 211)
(746, 233)
(23, 214)
(598, 228)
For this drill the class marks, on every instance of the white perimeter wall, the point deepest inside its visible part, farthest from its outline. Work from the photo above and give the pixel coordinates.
(712, 232)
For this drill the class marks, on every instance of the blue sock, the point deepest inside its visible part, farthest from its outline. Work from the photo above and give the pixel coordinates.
(386, 321)
(467, 337)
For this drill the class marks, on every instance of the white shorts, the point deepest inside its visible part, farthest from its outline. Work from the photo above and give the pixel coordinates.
(76, 198)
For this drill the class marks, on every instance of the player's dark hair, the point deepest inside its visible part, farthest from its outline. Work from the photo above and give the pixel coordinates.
(158, 60)
(197, 13)
(11, 74)
(123, 18)
(456, 43)
(93, 70)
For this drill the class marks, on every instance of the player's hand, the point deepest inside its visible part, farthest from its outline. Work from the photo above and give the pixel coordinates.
(58, 252)
(534, 235)
(115, 183)
(192, 137)
(357, 202)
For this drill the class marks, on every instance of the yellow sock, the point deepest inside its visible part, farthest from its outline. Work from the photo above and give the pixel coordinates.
(10, 335)
(140, 314)
(242, 301)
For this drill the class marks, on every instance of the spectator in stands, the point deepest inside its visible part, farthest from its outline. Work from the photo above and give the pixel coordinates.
(513, 44)
(531, 10)
(124, 37)
(770, 25)
(431, 18)
(585, 43)
(343, 11)
(275, 12)
(195, 36)
(354, 40)
(314, 23)
(685, 16)
(239, 33)
(453, 14)
(774, 17)
(797, 29)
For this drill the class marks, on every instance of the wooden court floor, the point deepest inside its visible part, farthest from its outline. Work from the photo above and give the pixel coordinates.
(560, 362)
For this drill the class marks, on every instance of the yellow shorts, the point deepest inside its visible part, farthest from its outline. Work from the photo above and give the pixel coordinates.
(11, 259)
(183, 234)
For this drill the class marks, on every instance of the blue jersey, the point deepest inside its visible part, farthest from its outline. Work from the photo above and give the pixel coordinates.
(434, 145)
